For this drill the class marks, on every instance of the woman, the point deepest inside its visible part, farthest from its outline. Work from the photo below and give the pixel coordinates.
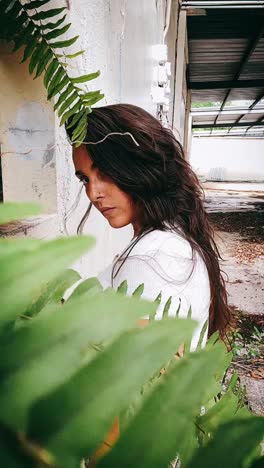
(142, 178)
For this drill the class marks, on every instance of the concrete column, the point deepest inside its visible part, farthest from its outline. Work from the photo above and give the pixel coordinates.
(171, 41)
(188, 126)
(179, 104)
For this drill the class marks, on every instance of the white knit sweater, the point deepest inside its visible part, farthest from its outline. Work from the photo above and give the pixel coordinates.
(162, 260)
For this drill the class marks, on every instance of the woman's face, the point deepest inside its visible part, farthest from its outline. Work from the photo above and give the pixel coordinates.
(114, 204)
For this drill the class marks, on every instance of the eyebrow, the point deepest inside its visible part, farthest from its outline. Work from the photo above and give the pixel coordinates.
(79, 173)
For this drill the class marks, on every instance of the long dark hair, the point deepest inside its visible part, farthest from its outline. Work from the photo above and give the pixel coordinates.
(161, 183)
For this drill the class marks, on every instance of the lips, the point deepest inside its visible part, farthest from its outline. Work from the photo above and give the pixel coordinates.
(107, 210)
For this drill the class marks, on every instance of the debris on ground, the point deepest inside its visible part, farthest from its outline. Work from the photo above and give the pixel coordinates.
(240, 238)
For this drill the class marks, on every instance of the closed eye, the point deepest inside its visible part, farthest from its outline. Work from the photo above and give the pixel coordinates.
(84, 180)
(82, 177)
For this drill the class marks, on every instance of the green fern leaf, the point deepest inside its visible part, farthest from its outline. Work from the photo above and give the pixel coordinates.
(51, 26)
(62, 44)
(77, 135)
(80, 128)
(37, 56)
(43, 63)
(57, 32)
(55, 79)
(189, 315)
(138, 291)
(4, 4)
(75, 119)
(90, 94)
(30, 48)
(52, 68)
(166, 309)
(42, 15)
(68, 103)
(84, 78)
(202, 334)
(80, 131)
(81, 138)
(20, 21)
(179, 308)
(63, 83)
(71, 56)
(60, 86)
(63, 96)
(24, 36)
(64, 80)
(70, 112)
(35, 4)
(15, 9)
(92, 101)
(158, 300)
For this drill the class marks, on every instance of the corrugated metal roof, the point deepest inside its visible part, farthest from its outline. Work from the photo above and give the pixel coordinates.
(226, 46)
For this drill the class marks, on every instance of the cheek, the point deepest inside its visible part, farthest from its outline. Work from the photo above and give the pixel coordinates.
(126, 208)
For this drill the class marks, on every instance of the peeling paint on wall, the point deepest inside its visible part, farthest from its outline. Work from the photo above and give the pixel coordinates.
(32, 130)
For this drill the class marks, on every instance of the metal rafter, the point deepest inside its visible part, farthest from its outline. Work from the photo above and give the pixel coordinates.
(211, 111)
(248, 53)
(188, 4)
(251, 107)
(258, 123)
(200, 85)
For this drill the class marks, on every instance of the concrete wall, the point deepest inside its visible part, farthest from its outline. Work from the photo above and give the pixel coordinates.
(178, 56)
(228, 159)
(26, 122)
(117, 36)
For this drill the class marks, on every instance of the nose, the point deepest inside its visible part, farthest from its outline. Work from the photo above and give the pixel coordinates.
(95, 190)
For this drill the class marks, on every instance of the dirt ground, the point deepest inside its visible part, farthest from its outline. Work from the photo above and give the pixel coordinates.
(240, 239)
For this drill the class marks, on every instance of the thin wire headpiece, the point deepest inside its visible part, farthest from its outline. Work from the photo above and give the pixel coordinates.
(106, 136)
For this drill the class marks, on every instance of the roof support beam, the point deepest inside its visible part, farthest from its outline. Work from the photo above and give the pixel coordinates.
(188, 4)
(207, 111)
(199, 85)
(258, 123)
(260, 96)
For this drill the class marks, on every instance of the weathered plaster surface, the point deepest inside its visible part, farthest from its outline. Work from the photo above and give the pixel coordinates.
(117, 36)
(27, 122)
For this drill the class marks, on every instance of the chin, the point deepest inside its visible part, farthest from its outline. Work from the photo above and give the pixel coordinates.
(117, 224)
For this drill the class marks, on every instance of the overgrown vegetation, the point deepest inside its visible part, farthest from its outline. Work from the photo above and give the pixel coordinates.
(27, 24)
(68, 370)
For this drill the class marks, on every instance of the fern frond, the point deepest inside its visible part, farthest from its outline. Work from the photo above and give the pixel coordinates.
(166, 309)
(42, 65)
(47, 14)
(71, 56)
(57, 32)
(35, 4)
(84, 78)
(26, 25)
(68, 102)
(51, 26)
